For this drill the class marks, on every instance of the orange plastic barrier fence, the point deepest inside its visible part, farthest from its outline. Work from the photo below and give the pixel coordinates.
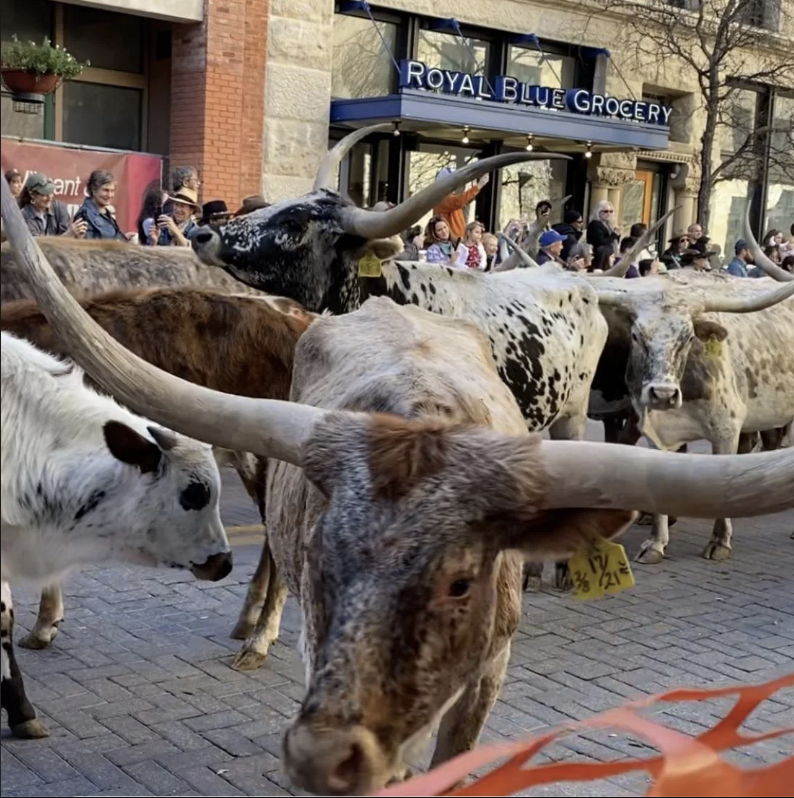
(687, 766)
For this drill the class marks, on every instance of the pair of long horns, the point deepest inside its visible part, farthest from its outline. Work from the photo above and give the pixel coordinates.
(578, 474)
(371, 224)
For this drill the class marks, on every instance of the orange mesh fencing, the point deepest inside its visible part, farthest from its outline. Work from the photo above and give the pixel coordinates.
(687, 766)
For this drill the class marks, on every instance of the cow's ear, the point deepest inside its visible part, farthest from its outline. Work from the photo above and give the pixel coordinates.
(705, 330)
(559, 534)
(129, 447)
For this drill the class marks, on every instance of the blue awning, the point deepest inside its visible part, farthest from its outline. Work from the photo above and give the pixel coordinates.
(441, 109)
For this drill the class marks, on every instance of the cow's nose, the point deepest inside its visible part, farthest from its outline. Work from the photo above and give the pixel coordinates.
(343, 761)
(663, 396)
(217, 567)
(203, 237)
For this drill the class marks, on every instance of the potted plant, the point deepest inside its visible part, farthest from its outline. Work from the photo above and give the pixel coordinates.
(30, 68)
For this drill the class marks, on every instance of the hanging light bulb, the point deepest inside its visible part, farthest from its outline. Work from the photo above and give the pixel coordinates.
(529, 146)
(588, 153)
(465, 139)
(396, 131)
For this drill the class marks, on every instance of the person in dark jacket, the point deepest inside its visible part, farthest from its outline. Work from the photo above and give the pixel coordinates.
(572, 227)
(550, 248)
(625, 245)
(602, 231)
(672, 256)
(43, 214)
(95, 210)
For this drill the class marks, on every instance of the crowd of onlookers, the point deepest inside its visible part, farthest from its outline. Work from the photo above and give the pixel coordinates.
(167, 217)
(171, 216)
(596, 247)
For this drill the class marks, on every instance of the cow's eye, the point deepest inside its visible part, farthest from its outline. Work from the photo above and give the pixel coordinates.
(292, 226)
(459, 588)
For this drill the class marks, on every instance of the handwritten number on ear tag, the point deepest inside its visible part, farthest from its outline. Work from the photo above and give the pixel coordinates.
(599, 570)
(370, 266)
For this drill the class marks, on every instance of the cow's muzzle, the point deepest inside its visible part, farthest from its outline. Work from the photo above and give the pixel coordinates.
(217, 567)
(662, 396)
(342, 761)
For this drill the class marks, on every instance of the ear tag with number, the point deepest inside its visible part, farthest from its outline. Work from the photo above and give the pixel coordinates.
(601, 569)
(370, 266)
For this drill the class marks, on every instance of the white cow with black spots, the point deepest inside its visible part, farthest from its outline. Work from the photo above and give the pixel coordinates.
(85, 481)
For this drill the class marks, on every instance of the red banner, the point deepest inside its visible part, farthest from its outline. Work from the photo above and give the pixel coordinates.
(69, 167)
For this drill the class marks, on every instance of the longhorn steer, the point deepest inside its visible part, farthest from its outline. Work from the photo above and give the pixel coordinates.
(696, 369)
(236, 344)
(84, 481)
(545, 330)
(398, 531)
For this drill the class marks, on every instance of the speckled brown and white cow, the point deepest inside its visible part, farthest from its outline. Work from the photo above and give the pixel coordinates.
(409, 493)
(708, 357)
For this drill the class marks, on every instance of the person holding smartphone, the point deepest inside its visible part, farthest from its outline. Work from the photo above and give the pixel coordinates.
(173, 229)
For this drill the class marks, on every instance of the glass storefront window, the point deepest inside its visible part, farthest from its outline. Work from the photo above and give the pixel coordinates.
(30, 20)
(728, 201)
(526, 184)
(540, 69)
(362, 66)
(102, 116)
(446, 51)
(107, 40)
(738, 120)
(780, 197)
(425, 163)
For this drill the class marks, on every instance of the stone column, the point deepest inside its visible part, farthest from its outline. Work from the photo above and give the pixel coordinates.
(297, 95)
(685, 188)
(598, 193)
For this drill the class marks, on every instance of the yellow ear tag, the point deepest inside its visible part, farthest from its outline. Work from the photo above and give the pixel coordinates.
(370, 266)
(603, 568)
(713, 347)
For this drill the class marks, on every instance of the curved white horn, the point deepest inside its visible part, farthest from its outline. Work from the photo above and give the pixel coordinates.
(745, 304)
(326, 173)
(583, 474)
(384, 224)
(640, 244)
(518, 251)
(769, 266)
(265, 427)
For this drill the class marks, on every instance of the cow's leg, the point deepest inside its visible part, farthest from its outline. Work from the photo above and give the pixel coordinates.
(613, 428)
(48, 620)
(652, 549)
(719, 547)
(252, 470)
(22, 718)
(256, 596)
(462, 725)
(254, 650)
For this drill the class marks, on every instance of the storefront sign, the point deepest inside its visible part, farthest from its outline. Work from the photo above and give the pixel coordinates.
(69, 168)
(416, 75)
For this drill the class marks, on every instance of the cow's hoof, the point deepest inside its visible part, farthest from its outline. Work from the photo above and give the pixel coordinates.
(716, 551)
(648, 555)
(32, 729)
(38, 638)
(532, 584)
(248, 660)
(562, 578)
(242, 630)
(645, 519)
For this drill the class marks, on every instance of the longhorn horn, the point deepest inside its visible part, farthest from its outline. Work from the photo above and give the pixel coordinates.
(562, 204)
(584, 474)
(527, 261)
(266, 427)
(770, 267)
(745, 304)
(370, 224)
(326, 173)
(625, 262)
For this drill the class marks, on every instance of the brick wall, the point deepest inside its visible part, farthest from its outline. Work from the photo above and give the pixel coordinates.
(217, 97)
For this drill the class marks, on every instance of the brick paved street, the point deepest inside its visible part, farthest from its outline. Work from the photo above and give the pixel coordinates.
(140, 698)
